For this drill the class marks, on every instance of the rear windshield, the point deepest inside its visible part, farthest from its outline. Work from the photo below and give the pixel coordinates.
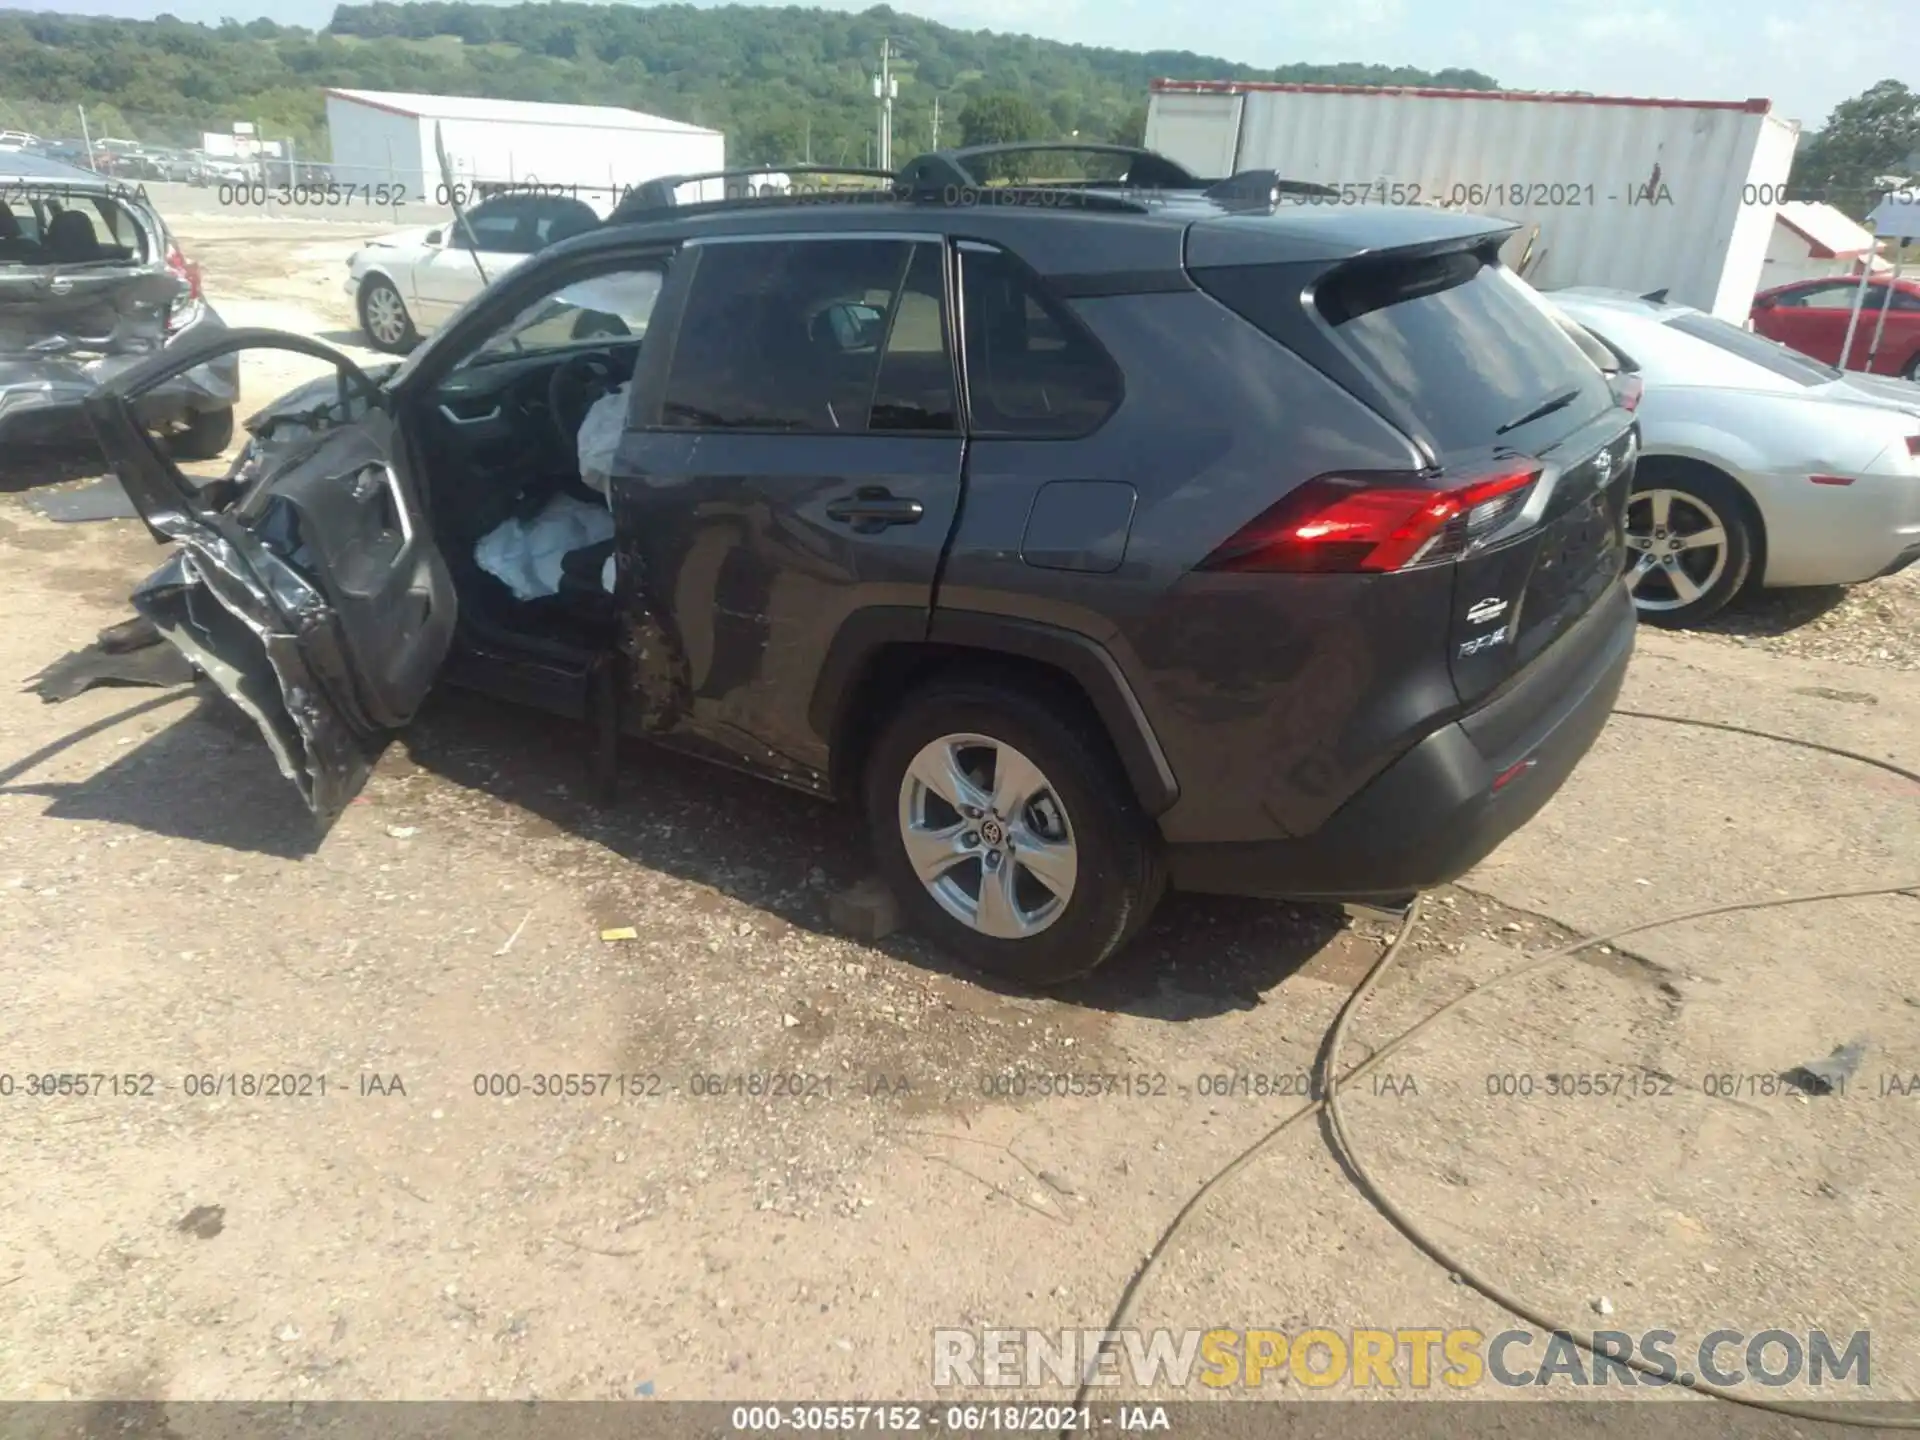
(59, 227)
(1768, 354)
(1467, 347)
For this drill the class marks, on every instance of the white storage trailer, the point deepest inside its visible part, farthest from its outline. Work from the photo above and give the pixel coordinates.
(1674, 195)
(386, 138)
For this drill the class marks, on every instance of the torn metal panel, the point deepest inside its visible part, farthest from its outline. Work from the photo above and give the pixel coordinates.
(215, 614)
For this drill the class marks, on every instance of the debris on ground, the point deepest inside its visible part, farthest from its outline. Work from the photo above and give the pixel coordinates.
(619, 932)
(160, 666)
(866, 911)
(1824, 1077)
(103, 499)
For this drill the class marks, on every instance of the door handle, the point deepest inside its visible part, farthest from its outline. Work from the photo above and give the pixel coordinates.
(873, 507)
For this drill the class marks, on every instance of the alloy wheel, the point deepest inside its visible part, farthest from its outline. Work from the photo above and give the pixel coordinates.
(1679, 545)
(987, 834)
(385, 315)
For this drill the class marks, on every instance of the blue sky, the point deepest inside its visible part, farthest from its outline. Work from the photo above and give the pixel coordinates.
(1802, 56)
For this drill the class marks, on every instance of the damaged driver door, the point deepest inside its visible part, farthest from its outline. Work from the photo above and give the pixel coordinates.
(307, 585)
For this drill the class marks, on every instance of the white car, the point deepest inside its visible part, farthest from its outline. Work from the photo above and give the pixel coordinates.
(405, 285)
(1758, 464)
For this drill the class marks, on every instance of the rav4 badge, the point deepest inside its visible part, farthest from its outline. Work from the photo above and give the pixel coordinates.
(1491, 608)
(1484, 642)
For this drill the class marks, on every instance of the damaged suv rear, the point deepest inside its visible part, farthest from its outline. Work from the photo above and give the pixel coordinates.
(90, 283)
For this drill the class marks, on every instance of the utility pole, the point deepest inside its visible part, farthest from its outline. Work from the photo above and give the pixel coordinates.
(885, 89)
(86, 137)
(936, 124)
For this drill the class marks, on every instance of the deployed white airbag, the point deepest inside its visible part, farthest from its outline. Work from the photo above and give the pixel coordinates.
(599, 437)
(525, 555)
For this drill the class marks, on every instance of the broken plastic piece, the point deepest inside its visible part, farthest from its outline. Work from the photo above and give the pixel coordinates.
(620, 932)
(1824, 1077)
(160, 666)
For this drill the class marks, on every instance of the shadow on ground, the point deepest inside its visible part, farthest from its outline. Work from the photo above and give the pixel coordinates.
(762, 845)
(205, 776)
(33, 467)
(777, 850)
(1775, 612)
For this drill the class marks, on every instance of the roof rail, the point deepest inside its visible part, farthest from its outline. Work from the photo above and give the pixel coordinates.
(1146, 170)
(659, 193)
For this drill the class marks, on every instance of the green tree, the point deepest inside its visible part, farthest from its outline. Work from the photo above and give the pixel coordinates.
(1873, 134)
(1001, 118)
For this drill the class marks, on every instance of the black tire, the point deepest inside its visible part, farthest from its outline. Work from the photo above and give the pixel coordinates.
(395, 345)
(1120, 872)
(1698, 499)
(1912, 372)
(205, 436)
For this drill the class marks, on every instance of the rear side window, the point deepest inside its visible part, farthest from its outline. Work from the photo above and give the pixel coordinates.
(1465, 347)
(822, 336)
(495, 229)
(1033, 371)
(1818, 297)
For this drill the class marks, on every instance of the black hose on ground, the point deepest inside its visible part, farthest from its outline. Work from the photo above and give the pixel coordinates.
(1332, 1080)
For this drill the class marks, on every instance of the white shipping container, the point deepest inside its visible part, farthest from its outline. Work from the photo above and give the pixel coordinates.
(600, 151)
(1645, 195)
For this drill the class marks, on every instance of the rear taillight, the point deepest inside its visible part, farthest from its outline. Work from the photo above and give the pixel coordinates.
(1627, 390)
(1913, 444)
(1375, 522)
(186, 309)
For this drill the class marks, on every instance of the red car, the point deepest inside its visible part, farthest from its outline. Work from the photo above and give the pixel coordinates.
(1811, 316)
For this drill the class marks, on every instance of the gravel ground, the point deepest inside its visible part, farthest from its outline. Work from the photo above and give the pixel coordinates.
(1875, 626)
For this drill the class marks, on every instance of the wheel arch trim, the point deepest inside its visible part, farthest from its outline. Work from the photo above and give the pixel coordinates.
(1089, 664)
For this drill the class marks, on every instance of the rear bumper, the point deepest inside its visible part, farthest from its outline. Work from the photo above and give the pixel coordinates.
(1840, 534)
(40, 398)
(1434, 813)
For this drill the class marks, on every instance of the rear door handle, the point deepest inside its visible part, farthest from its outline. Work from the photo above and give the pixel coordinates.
(874, 508)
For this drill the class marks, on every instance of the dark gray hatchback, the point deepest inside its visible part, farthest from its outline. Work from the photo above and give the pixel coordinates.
(1088, 538)
(90, 283)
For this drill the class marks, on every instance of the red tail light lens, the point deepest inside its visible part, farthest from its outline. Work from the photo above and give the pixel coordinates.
(1375, 522)
(1627, 390)
(1913, 444)
(186, 309)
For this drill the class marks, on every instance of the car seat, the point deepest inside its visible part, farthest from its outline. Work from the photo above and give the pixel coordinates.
(70, 239)
(14, 245)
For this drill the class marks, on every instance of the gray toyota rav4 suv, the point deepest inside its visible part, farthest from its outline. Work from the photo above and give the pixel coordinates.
(1089, 538)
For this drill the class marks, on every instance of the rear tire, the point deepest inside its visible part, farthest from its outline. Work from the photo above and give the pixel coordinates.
(1690, 542)
(205, 436)
(384, 318)
(1912, 372)
(1072, 862)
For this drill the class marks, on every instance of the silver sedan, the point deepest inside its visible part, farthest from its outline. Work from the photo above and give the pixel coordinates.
(1759, 465)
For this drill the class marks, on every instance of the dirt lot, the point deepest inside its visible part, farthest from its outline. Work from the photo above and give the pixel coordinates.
(166, 910)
